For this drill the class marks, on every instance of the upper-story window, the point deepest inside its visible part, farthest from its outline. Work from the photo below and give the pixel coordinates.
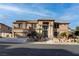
(15, 25)
(19, 25)
(56, 25)
(45, 22)
(25, 25)
(45, 27)
(33, 26)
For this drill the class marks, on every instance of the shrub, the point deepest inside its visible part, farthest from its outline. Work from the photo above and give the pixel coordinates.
(0, 36)
(63, 34)
(77, 33)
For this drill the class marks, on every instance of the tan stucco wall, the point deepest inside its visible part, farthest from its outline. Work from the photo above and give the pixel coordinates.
(63, 28)
(19, 34)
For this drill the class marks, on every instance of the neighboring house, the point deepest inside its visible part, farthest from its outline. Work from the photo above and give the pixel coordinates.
(5, 31)
(50, 28)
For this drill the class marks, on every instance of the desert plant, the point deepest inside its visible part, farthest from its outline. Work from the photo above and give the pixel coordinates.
(0, 36)
(76, 33)
(77, 28)
(63, 34)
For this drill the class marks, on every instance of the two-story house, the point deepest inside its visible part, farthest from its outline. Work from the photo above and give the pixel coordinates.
(48, 27)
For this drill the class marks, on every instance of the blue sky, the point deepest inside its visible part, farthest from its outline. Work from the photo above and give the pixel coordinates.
(9, 12)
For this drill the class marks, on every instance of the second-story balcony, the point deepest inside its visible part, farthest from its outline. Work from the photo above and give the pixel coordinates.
(20, 30)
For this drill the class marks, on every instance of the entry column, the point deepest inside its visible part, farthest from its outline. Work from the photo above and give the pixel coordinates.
(50, 30)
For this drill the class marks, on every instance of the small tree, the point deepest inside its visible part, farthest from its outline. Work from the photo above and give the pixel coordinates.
(63, 34)
(0, 36)
(76, 32)
(77, 28)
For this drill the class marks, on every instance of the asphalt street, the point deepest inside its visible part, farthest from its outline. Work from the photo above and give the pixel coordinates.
(39, 50)
(29, 49)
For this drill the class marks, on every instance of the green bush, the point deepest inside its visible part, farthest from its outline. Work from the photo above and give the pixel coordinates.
(77, 33)
(63, 34)
(0, 36)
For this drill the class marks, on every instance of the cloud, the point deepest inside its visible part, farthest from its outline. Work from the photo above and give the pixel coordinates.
(10, 8)
(39, 11)
(42, 12)
(3, 16)
(71, 13)
(68, 17)
(28, 11)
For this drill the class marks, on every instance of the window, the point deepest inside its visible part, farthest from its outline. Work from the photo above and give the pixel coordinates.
(56, 34)
(45, 22)
(18, 25)
(25, 25)
(15, 25)
(45, 27)
(33, 26)
(56, 25)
